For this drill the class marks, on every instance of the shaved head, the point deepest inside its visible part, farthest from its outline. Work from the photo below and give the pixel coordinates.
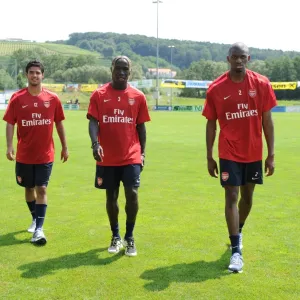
(239, 47)
(238, 57)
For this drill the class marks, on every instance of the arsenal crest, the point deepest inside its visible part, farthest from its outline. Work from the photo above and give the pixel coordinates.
(225, 176)
(99, 181)
(47, 103)
(252, 93)
(131, 101)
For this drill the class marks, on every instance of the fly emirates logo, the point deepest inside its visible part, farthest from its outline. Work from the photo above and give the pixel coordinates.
(118, 117)
(36, 121)
(242, 112)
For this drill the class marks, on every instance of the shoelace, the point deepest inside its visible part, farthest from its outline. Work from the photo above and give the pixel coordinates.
(235, 260)
(114, 241)
(130, 243)
(37, 232)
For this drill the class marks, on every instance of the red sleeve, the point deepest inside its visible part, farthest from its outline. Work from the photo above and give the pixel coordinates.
(209, 110)
(143, 113)
(93, 106)
(269, 100)
(59, 112)
(10, 115)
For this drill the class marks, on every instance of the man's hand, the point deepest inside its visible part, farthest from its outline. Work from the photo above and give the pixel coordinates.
(10, 153)
(212, 167)
(143, 161)
(269, 165)
(98, 152)
(64, 154)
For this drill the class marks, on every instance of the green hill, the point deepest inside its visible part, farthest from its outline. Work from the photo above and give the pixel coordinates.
(140, 47)
(7, 48)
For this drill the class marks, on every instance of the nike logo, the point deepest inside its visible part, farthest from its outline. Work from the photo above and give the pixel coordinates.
(227, 97)
(255, 178)
(106, 100)
(23, 106)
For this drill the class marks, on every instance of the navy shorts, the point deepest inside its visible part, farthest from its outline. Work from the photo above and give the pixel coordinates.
(31, 175)
(237, 173)
(110, 177)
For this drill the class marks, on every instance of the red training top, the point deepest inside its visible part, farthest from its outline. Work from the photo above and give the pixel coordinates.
(239, 108)
(118, 112)
(34, 116)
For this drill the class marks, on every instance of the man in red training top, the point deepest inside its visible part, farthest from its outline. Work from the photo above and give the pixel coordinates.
(241, 101)
(35, 110)
(117, 113)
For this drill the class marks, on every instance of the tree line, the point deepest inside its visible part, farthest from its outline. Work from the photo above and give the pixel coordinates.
(184, 52)
(191, 60)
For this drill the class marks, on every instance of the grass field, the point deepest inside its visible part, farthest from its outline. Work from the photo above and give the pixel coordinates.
(181, 236)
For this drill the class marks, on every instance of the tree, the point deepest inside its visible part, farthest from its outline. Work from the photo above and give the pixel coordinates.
(24, 56)
(205, 54)
(282, 69)
(21, 81)
(54, 63)
(85, 45)
(136, 72)
(204, 70)
(6, 82)
(296, 62)
(108, 52)
(259, 66)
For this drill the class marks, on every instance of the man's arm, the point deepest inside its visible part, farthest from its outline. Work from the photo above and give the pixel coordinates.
(93, 129)
(211, 129)
(141, 129)
(10, 153)
(62, 136)
(268, 127)
(93, 132)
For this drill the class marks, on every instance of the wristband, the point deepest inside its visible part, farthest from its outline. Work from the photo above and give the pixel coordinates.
(94, 144)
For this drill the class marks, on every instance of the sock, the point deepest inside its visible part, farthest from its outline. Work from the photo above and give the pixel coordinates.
(40, 211)
(129, 229)
(235, 244)
(31, 206)
(115, 230)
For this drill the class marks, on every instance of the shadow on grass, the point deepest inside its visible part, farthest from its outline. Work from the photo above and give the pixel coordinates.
(197, 271)
(71, 261)
(10, 239)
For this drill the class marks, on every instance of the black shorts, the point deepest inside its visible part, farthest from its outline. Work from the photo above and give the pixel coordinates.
(31, 175)
(110, 177)
(237, 174)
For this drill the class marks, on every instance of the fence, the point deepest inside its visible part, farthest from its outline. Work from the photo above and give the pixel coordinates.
(199, 108)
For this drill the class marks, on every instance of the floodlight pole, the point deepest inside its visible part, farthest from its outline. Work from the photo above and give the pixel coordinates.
(171, 47)
(157, 51)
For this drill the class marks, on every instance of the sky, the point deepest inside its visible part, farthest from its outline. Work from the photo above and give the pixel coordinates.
(258, 23)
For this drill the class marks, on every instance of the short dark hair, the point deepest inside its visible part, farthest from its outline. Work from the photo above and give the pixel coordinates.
(35, 63)
(118, 58)
(238, 46)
